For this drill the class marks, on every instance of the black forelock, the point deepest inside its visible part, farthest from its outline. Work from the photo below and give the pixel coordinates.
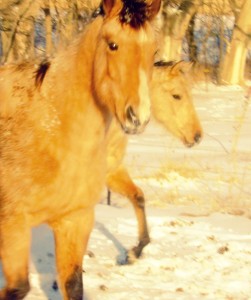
(134, 12)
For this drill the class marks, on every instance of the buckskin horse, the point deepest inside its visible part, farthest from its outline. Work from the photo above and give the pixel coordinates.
(172, 106)
(54, 120)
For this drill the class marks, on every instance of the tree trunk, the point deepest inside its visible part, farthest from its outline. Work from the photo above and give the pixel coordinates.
(175, 26)
(18, 30)
(235, 59)
(23, 46)
(192, 47)
(67, 26)
(48, 28)
(6, 34)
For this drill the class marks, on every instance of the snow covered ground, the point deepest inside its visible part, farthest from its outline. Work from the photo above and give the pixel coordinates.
(199, 214)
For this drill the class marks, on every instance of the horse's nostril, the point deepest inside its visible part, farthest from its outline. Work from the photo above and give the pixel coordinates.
(197, 137)
(130, 115)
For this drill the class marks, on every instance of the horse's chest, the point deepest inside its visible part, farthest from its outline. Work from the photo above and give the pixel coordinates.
(76, 186)
(80, 176)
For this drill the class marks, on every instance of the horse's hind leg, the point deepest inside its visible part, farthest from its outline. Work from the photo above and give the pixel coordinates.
(15, 247)
(71, 237)
(120, 182)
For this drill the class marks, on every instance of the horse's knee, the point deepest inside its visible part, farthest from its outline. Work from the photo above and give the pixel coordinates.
(74, 285)
(138, 197)
(140, 200)
(15, 293)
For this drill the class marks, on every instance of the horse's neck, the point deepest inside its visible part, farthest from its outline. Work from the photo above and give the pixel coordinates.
(76, 62)
(87, 47)
(72, 70)
(85, 57)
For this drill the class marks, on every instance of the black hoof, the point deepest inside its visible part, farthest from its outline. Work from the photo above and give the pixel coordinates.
(16, 293)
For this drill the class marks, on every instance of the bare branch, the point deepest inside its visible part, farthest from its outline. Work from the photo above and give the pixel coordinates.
(20, 18)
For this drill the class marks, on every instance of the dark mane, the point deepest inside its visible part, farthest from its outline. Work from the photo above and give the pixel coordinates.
(163, 63)
(41, 72)
(134, 12)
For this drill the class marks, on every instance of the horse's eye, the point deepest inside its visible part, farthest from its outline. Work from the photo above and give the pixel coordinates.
(176, 97)
(113, 46)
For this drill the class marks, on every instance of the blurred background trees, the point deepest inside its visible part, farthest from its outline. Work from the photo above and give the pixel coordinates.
(214, 34)
(37, 28)
(17, 28)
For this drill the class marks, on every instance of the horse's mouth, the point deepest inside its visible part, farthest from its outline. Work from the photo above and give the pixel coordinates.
(196, 140)
(188, 144)
(132, 128)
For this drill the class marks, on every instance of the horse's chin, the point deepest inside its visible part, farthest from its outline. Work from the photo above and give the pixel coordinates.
(196, 140)
(132, 130)
(187, 143)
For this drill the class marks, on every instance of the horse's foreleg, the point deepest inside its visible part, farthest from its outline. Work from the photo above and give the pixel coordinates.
(15, 247)
(71, 238)
(120, 182)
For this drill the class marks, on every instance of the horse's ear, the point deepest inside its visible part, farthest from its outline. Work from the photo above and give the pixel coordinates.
(107, 6)
(154, 8)
(187, 66)
(181, 67)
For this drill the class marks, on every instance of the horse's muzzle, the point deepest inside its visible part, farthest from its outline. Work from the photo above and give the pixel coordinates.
(133, 125)
(196, 140)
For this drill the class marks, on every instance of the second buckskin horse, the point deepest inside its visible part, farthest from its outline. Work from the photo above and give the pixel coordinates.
(172, 106)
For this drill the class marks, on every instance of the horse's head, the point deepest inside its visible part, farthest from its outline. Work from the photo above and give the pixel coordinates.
(172, 103)
(124, 59)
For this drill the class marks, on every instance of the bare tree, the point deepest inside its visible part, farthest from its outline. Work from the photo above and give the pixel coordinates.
(235, 59)
(191, 41)
(176, 18)
(67, 20)
(17, 29)
(62, 20)
(48, 27)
